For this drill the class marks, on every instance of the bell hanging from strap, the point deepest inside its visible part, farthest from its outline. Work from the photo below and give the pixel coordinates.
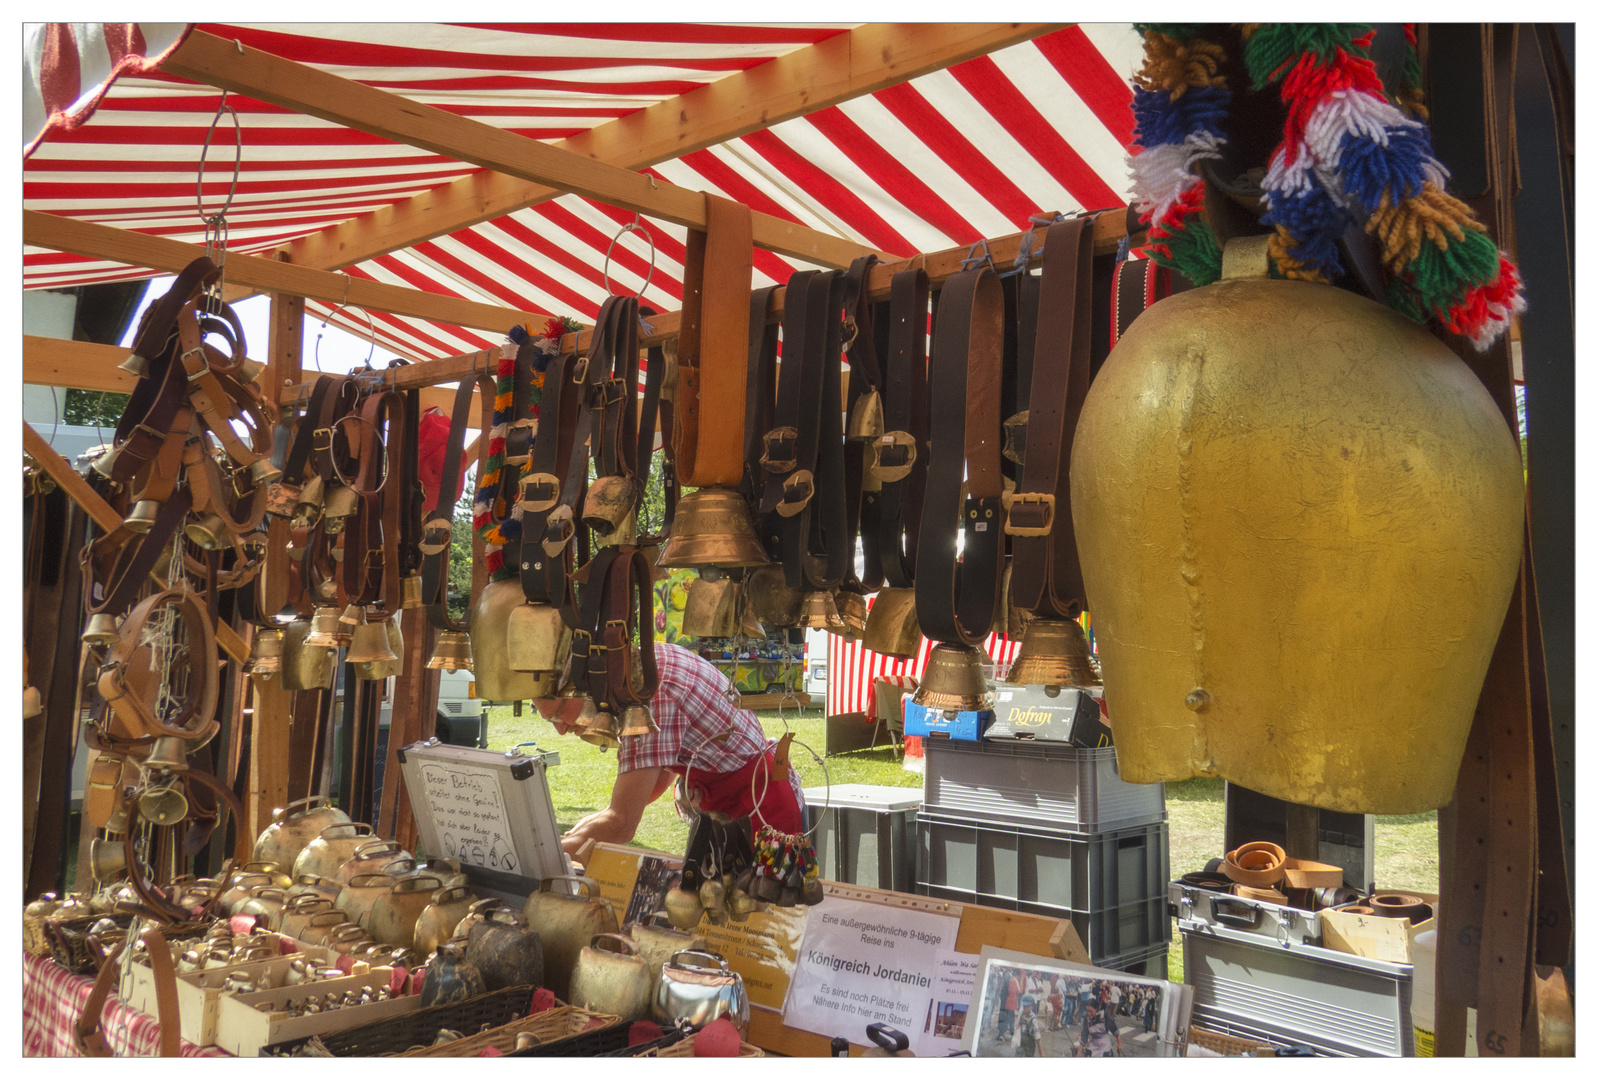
(102, 629)
(305, 665)
(452, 653)
(372, 651)
(262, 471)
(953, 680)
(1054, 652)
(308, 504)
(712, 527)
(771, 600)
(325, 629)
(637, 720)
(209, 532)
(339, 506)
(601, 730)
(142, 516)
(712, 607)
(108, 859)
(537, 639)
(266, 654)
(820, 612)
(865, 422)
(892, 628)
(163, 804)
(168, 752)
(851, 608)
(411, 591)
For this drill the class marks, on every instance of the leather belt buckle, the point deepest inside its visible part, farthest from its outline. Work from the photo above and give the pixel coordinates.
(580, 370)
(781, 454)
(539, 492)
(893, 456)
(796, 493)
(558, 523)
(1015, 437)
(609, 392)
(1036, 513)
(435, 536)
(583, 643)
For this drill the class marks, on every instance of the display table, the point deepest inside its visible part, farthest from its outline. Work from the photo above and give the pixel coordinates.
(52, 1001)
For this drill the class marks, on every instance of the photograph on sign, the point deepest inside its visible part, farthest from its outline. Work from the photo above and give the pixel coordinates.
(1033, 1006)
(954, 977)
(656, 877)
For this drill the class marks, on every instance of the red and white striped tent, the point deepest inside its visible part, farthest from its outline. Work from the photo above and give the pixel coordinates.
(950, 157)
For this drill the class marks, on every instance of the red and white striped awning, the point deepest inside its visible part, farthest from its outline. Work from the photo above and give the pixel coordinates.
(945, 159)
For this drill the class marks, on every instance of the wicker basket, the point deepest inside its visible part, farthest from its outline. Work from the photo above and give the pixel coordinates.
(1228, 1045)
(685, 1048)
(35, 942)
(555, 1029)
(397, 1034)
(71, 946)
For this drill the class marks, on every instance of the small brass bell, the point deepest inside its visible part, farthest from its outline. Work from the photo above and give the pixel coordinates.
(953, 680)
(266, 654)
(262, 471)
(821, 613)
(771, 600)
(712, 527)
(324, 629)
(411, 591)
(865, 422)
(712, 606)
(1054, 652)
(168, 752)
(135, 365)
(209, 532)
(108, 859)
(352, 616)
(339, 506)
(102, 629)
(249, 370)
(851, 608)
(163, 805)
(892, 628)
(601, 731)
(370, 651)
(142, 516)
(452, 653)
(308, 506)
(637, 720)
(537, 638)
(106, 462)
(610, 499)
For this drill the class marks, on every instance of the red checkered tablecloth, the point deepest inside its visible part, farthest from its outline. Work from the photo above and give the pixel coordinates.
(52, 1001)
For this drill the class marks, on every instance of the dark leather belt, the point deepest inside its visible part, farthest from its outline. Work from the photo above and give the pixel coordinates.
(956, 597)
(437, 530)
(899, 457)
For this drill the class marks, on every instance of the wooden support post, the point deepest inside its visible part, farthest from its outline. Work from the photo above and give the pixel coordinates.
(415, 708)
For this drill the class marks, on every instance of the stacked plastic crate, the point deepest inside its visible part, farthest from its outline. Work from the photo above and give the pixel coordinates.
(1052, 829)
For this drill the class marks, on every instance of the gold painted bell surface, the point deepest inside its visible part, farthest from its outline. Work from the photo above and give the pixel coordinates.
(411, 591)
(712, 608)
(1309, 477)
(953, 680)
(324, 628)
(452, 653)
(382, 669)
(820, 612)
(208, 531)
(865, 422)
(601, 730)
(142, 516)
(637, 720)
(369, 645)
(108, 859)
(266, 654)
(496, 679)
(851, 607)
(892, 628)
(537, 638)
(306, 666)
(608, 502)
(102, 629)
(712, 527)
(1054, 652)
(770, 598)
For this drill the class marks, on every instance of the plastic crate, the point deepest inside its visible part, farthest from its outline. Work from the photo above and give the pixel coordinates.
(867, 835)
(1151, 962)
(1036, 785)
(1111, 885)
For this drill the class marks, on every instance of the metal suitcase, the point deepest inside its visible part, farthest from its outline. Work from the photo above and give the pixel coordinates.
(1210, 907)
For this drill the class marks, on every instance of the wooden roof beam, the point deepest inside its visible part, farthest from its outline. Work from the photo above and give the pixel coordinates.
(260, 75)
(845, 66)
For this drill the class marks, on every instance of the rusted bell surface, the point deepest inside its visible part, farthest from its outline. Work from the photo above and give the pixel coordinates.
(452, 653)
(953, 680)
(712, 527)
(537, 638)
(1327, 508)
(142, 516)
(770, 598)
(820, 612)
(496, 679)
(892, 627)
(1054, 652)
(608, 502)
(851, 607)
(305, 666)
(712, 608)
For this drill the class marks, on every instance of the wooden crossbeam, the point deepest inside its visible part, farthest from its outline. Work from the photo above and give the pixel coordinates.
(212, 60)
(842, 67)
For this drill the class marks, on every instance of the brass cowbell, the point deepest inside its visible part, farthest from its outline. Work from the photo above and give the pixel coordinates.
(637, 720)
(892, 628)
(537, 638)
(712, 527)
(496, 679)
(771, 600)
(851, 607)
(306, 666)
(865, 422)
(102, 629)
(372, 650)
(142, 516)
(324, 631)
(601, 730)
(308, 504)
(209, 531)
(712, 607)
(608, 502)
(108, 859)
(820, 612)
(266, 654)
(1054, 652)
(953, 680)
(452, 653)
(339, 507)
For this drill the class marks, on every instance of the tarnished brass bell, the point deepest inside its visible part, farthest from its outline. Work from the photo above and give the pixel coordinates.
(892, 628)
(249, 370)
(452, 653)
(306, 666)
(1054, 652)
(262, 471)
(770, 598)
(820, 612)
(266, 654)
(208, 531)
(106, 461)
(637, 720)
(537, 638)
(142, 516)
(712, 607)
(496, 679)
(370, 651)
(102, 629)
(601, 730)
(953, 680)
(339, 506)
(135, 365)
(712, 527)
(164, 804)
(325, 629)
(865, 422)
(852, 610)
(168, 752)
(411, 591)
(610, 499)
(308, 505)
(108, 859)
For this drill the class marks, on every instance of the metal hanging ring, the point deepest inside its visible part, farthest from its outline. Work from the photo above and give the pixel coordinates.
(377, 433)
(826, 777)
(632, 226)
(371, 327)
(238, 160)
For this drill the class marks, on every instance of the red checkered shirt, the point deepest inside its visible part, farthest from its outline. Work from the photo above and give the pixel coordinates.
(691, 708)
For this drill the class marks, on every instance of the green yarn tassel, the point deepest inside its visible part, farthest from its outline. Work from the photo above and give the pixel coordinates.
(1402, 299)
(1195, 254)
(1271, 52)
(1441, 278)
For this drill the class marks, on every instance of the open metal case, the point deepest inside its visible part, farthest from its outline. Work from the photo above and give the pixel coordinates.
(490, 809)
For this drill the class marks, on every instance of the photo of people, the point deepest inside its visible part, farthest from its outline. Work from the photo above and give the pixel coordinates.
(655, 879)
(1042, 1011)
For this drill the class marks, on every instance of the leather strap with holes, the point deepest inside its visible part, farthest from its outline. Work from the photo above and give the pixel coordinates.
(899, 457)
(438, 529)
(956, 597)
(861, 509)
(711, 346)
(87, 1036)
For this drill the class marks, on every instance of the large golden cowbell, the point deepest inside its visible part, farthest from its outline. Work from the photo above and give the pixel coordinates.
(953, 680)
(892, 627)
(537, 638)
(712, 527)
(307, 666)
(1054, 652)
(712, 608)
(1299, 517)
(496, 679)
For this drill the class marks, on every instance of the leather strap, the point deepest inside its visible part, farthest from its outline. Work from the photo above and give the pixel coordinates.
(545, 576)
(956, 599)
(87, 1036)
(861, 510)
(711, 347)
(438, 528)
(195, 719)
(899, 458)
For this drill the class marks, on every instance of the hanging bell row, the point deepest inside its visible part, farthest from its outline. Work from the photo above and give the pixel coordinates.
(712, 527)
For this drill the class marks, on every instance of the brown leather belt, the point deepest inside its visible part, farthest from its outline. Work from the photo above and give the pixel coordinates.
(711, 344)
(134, 715)
(956, 598)
(438, 529)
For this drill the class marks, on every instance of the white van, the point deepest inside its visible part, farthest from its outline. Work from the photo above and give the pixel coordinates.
(461, 719)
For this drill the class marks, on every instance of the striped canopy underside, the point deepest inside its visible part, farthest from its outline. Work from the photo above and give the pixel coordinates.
(951, 157)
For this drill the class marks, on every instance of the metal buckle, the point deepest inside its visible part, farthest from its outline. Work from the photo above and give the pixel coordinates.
(1022, 502)
(160, 436)
(559, 519)
(580, 369)
(317, 433)
(792, 503)
(781, 440)
(434, 528)
(898, 444)
(609, 392)
(539, 492)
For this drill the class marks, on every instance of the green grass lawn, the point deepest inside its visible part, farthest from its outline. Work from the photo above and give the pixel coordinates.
(1406, 847)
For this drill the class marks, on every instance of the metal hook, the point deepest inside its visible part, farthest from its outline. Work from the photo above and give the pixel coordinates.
(635, 225)
(316, 354)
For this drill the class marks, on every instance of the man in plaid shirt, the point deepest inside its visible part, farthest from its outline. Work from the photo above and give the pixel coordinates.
(720, 749)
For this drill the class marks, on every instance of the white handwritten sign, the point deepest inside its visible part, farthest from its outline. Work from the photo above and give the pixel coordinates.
(469, 813)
